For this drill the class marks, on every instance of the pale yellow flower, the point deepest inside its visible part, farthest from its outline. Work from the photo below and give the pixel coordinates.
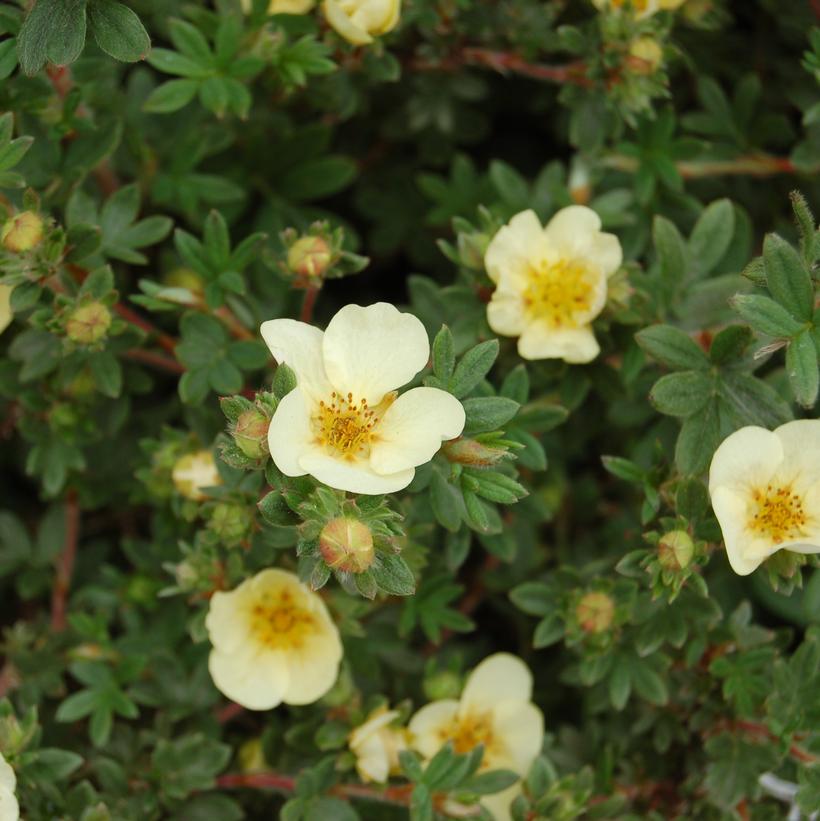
(193, 473)
(551, 282)
(9, 808)
(495, 710)
(359, 21)
(640, 8)
(344, 423)
(649, 51)
(6, 315)
(376, 745)
(273, 642)
(283, 6)
(765, 489)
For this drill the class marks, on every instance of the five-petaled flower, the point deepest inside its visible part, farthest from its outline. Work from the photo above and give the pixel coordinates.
(640, 8)
(765, 489)
(9, 808)
(359, 21)
(377, 744)
(551, 282)
(495, 710)
(344, 423)
(273, 642)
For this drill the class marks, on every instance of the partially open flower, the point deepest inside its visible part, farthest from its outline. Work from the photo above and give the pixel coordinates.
(359, 21)
(376, 745)
(551, 282)
(648, 54)
(273, 642)
(22, 232)
(283, 6)
(6, 315)
(675, 550)
(193, 473)
(495, 710)
(250, 432)
(9, 808)
(347, 544)
(88, 323)
(595, 612)
(309, 256)
(765, 489)
(344, 423)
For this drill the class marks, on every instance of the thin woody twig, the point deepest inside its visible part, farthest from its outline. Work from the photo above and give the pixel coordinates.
(65, 562)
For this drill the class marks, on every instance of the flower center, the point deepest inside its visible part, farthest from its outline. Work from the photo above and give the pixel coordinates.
(346, 426)
(467, 732)
(559, 292)
(638, 5)
(278, 622)
(779, 513)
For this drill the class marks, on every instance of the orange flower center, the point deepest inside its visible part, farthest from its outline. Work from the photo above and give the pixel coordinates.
(346, 426)
(560, 292)
(778, 513)
(278, 622)
(467, 732)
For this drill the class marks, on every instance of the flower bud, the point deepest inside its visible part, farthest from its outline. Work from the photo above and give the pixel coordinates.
(359, 21)
(252, 757)
(647, 54)
(595, 612)
(193, 472)
(185, 278)
(347, 544)
(471, 250)
(470, 452)
(22, 232)
(675, 550)
(250, 432)
(231, 523)
(309, 256)
(443, 684)
(88, 323)
(186, 575)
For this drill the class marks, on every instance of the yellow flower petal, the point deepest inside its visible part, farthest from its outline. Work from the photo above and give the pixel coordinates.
(500, 677)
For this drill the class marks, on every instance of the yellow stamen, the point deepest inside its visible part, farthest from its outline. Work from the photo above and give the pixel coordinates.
(467, 732)
(560, 292)
(278, 622)
(778, 513)
(346, 426)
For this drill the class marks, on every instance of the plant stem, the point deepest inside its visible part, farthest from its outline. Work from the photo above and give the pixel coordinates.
(65, 562)
(133, 318)
(754, 165)
(309, 304)
(155, 360)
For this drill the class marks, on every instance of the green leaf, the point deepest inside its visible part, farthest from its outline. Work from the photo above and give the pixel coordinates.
(473, 367)
(766, 316)
(712, 235)
(648, 683)
(171, 96)
(788, 278)
(682, 393)
(534, 598)
(393, 575)
(317, 178)
(624, 469)
(801, 366)
(488, 413)
(275, 510)
(445, 502)
(698, 440)
(490, 782)
(107, 373)
(118, 31)
(190, 41)
(67, 31)
(444, 356)
(671, 250)
(672, 347)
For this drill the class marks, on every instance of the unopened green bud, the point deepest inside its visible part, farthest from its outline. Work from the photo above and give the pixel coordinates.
(22, 232)
(62, 416)
(231, 523)
(443, 684)
(675, 550)
(471, 249)
(252, 756)
(251, 433)
(185, 278)
(347, 544)
(470, 452)
(595, 612)
(88, 323)
(309, 256)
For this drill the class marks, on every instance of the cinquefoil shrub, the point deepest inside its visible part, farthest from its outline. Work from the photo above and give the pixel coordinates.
(408, 410)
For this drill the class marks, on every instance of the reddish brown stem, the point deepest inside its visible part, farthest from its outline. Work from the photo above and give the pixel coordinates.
(309, 303)
(155, 360)
(234, 325)
(65, 562)
(132, 317)
(229, 712)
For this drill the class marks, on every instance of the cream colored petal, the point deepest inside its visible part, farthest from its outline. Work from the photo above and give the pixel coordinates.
(498, 804)
(748, 457)
(227, 620)
(505, 313)
(515, 245)
(377, 721)
(372, 759)
(520, 728)
(413, 428)
(428, 728)
(800, 441)
(355, 477)
(313, 669)
(343, 25)
(8, 780)
(745, 551)
(573, 229)
(6, 315)
(391, 16)
(290, 435)
(500, 677)
(606, 253)
(256, 680)
(573, 345)
(291, 6)
(299, 346)
(370, 351)
(9, 808)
